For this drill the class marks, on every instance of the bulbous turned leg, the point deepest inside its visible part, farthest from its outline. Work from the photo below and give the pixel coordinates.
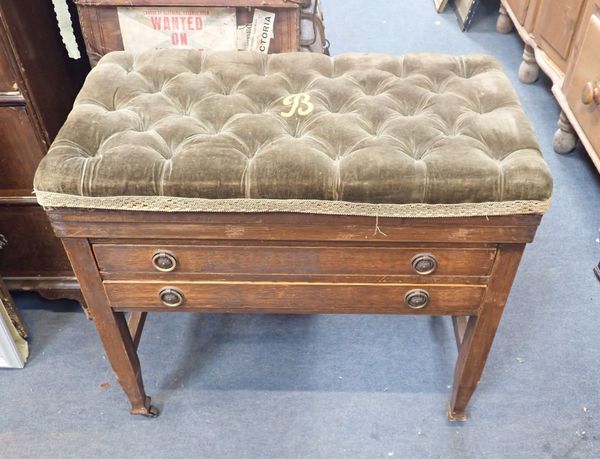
(565, 138)
(529, 70)
(503, 24)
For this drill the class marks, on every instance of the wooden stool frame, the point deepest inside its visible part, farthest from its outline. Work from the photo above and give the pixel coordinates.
(475, 303)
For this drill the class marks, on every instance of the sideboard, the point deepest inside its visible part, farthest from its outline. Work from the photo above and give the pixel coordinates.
(562, 38)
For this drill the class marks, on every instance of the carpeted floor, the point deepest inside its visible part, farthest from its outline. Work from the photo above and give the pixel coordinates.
(344, 386)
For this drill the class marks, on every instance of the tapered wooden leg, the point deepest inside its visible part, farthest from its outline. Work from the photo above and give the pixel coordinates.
(480, 330)
(112, 327)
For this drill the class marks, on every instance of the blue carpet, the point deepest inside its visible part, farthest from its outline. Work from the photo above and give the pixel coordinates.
(344, 386)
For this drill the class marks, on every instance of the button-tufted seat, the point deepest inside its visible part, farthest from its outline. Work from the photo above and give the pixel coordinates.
(365, 134)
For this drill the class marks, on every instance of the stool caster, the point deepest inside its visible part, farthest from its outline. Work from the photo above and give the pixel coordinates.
(147, 410)
(455, 415)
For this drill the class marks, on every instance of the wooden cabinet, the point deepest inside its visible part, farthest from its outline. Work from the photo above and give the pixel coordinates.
(520, 7)
(582, 84)
(562, 38)
(21, 148)
(8, 79)
(38, 84)
(532, 15)
(555, 28)
(523, 12)
(33, 257)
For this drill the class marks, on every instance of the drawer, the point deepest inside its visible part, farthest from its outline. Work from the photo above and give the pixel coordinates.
(299, 297)
(127, 259)
(582, 84)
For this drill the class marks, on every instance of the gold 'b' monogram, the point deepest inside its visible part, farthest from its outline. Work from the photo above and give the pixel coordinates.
(300, 104)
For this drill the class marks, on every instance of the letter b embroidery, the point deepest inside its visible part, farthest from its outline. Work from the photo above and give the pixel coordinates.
(300, 104)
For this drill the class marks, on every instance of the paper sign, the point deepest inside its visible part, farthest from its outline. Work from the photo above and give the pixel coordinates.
(166, 27)
(66, 28)
(261, 31)
(243, 36)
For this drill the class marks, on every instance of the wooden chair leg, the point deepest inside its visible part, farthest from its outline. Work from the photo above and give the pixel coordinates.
(112, 327)
(481, 329)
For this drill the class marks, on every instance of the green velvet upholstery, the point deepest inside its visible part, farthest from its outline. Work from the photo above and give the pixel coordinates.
(420, 128)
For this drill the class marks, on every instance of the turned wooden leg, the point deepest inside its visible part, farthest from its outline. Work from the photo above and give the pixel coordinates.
(565, 138)
(481, 329)
(503, 24)
(112, 327)
(529, 70)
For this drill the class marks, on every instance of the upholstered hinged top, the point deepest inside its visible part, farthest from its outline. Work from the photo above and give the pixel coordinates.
(183, 130)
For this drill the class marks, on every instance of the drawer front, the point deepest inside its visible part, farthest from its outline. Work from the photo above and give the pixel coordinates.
(284, 297)
(582, 85)
(300, 260)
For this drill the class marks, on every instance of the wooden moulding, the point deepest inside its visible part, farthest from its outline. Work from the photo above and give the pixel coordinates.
(98, 224)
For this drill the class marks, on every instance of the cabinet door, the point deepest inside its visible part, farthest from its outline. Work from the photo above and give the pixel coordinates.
(8, 81)
(555, 28)
(20, 149)
(531, 15)
(519, 8)
(584, 73)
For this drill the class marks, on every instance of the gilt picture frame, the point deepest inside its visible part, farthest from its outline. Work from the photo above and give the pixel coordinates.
(440, 5)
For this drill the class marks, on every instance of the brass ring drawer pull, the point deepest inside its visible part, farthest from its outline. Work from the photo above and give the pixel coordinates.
(171, 297)
(416, 299)
(424, 263)
(164, 261)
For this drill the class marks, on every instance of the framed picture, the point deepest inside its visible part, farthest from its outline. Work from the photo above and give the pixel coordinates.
(13, 347)
(465, 9)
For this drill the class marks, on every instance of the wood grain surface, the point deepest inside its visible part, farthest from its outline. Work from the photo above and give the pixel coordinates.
(268, 259)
